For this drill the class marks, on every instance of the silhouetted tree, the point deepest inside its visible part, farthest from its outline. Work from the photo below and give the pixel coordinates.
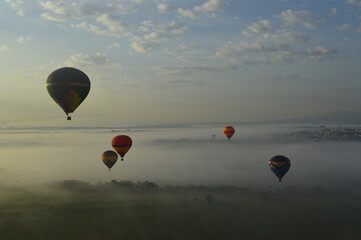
(76, 185)
(147, 185)
(122, 184)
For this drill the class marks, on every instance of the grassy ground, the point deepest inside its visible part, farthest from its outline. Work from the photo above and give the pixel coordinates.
(34, 214)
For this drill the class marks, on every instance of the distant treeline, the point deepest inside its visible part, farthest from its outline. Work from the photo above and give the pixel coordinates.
(141, 186)
(265, 193)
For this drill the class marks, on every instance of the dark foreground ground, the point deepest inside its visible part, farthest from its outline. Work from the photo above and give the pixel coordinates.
(178, 213)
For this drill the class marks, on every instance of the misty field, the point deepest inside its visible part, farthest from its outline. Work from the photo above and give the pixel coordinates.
(179, 213)
(320, 197)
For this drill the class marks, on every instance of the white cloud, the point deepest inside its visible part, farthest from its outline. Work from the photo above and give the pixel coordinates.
(54, 18)
(114, 45)
(107, 15)
(189, 46)
(290, 36)
(238, 55)
(117, 8)
(321, 51)
(344, 26)
(113, 23)
(16, 5)
(61, 10)
(275, 50)
(58, 10)
(91, 28)
(141, 46)
(354, 2)
(190, 49)
(156, 37)
(23, 40)
(174, 28)
(187, 13)
(155, 33)
(208, 9)
(303, 17)
(259, 27)
(317, 53)
(189, 59)
(84, 59)
(114, 26)
(238, 48)
(3, 48)
(165, 8)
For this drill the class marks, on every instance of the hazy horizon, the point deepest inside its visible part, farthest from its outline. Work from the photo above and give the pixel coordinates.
(178, 155)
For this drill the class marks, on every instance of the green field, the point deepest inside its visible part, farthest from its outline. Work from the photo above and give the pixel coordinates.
(176, 214)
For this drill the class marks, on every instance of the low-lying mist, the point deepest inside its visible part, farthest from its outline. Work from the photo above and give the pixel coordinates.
(184, 155)
(186, 182)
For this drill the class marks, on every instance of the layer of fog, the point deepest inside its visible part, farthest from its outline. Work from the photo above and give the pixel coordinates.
(197, 154)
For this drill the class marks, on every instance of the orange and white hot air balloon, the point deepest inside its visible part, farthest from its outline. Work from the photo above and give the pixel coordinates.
(228, 131)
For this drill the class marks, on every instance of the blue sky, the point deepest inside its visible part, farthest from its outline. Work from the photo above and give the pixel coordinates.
(170, 61)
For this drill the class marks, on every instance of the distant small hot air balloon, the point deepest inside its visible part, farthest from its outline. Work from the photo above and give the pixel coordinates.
(228, 131)
(68, 87)
(279, 166)
(109, 158)
(122, 144)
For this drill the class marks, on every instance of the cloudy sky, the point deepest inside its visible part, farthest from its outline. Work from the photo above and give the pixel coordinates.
(173, 61)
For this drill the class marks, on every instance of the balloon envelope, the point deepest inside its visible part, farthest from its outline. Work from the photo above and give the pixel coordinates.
(109, 158)
(122, 144)
(68, 87)
(279, 166)
(228, 131)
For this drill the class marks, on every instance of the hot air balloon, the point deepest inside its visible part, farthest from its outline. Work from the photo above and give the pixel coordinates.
(228, 131)
(279, 166)
(121, 144)
(68, 87)
(109, 158)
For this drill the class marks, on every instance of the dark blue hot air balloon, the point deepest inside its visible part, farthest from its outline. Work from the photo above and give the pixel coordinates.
(279, 166)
